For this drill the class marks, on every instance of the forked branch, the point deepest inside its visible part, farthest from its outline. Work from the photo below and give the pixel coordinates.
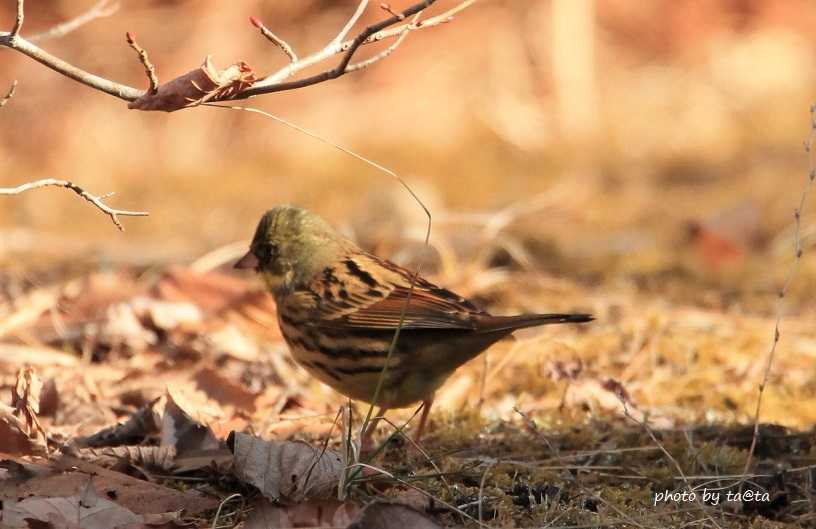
(97, 201)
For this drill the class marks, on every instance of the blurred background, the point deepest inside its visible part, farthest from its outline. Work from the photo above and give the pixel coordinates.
(620, 134)
(640, 160)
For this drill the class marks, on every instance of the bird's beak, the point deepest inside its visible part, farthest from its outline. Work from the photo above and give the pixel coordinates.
(248, 261)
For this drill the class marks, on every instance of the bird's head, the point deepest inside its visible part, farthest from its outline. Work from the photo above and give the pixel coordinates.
(290, 246)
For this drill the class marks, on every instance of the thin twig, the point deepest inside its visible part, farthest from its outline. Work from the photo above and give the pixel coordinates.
(150, 70)
(387, 51)
(387, 8)
(794, 267)
(270, 84)
(9, 94)
(442, 18)
(361, 7)
(93, 199)
(274, 39)
(102, 9)
(332, 49)
(18, 21)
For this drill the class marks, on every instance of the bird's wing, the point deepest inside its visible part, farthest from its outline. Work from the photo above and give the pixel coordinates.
(365, 292)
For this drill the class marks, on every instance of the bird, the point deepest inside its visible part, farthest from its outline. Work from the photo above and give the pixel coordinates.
(339, 309)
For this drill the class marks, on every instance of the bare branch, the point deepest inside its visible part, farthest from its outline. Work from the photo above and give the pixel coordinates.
(441, 18)
(387, 8)
(387, 51)
(102, 9)
(150, 70)
(127, 93)
(262, 88)
(93, 199)
(18, 21)
(361, 7)
(9, 94)
(238, 81)
(274, 39)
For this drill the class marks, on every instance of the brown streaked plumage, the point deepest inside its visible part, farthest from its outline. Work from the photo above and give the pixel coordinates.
(339, 307)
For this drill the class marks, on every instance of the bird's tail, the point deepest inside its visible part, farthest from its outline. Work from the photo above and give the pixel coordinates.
(511, 323)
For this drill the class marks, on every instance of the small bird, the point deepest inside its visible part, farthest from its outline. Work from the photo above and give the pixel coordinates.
(340, 307)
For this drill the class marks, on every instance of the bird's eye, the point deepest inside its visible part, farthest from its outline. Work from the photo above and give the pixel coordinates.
(267, 252)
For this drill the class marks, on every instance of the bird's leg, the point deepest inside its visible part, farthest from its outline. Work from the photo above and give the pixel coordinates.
(426, 410)
(366, 444)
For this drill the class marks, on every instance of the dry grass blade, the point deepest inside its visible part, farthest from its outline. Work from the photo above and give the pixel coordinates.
(794, 267)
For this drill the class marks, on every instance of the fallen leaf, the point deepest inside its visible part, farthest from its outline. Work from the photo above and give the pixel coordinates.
(133, 431)
(331, 513)
(184, 424)
(25, 399)
(13, 439)
(286, 471)
(151, 457)
(49, 398)
(209, 291)
(381, 515)
(68, 476)
(224, 390)
(71, 511)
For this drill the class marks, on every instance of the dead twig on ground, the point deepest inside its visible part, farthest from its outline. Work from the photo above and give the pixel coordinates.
(93, 199)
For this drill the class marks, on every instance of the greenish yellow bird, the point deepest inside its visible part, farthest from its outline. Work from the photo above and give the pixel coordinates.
(339, 307)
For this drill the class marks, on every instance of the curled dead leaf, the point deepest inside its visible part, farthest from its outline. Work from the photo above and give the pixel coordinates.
(185, 425)
(205, 83)
(133, 431)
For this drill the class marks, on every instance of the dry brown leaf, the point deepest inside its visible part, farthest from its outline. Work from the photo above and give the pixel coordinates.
(166, 315)
(25, 399)
(49, 398)
(286, 471)
(205, 83)
(13, 439)
(85, 511)
(185, 425)
(228, 339)
(121, 328)
(210, 291)
(69, 476)
(151, 457)
(133, 431)
(224, 390)
(330, 513)
(28, 309)
(379, 515)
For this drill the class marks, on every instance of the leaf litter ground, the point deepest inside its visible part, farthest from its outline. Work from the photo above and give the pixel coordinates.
(126, 385)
